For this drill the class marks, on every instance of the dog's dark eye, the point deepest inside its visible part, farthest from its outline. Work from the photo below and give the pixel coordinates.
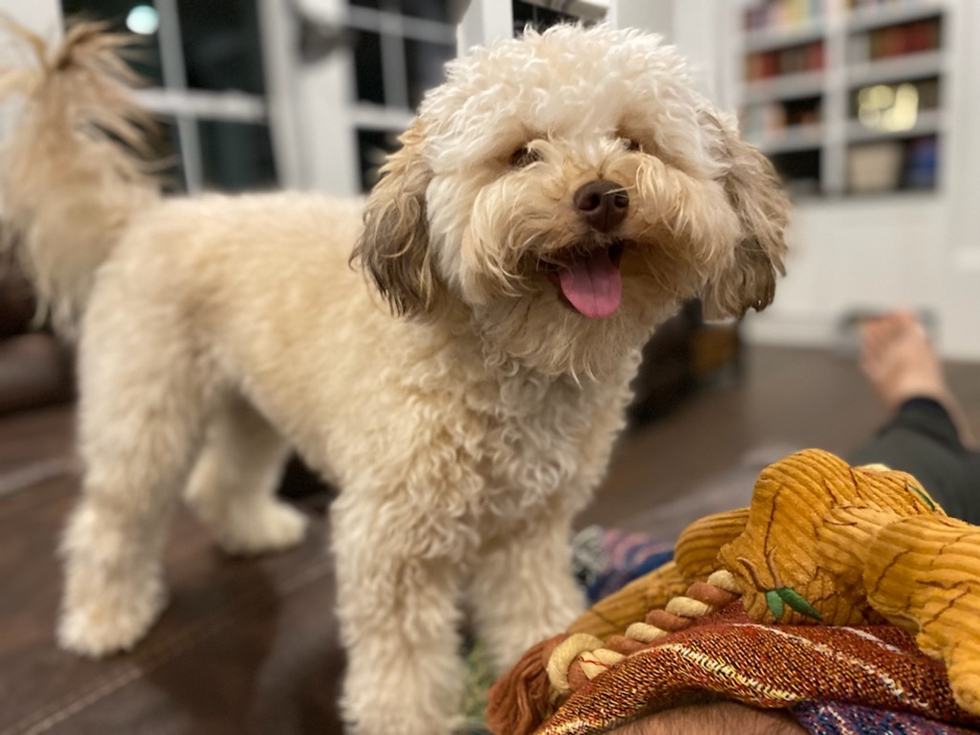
(632, 145)
(524, 156)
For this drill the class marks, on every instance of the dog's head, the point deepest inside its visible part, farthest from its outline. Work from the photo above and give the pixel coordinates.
(570, 189)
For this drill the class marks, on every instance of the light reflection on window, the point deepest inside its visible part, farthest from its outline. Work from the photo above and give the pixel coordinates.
(143, 19)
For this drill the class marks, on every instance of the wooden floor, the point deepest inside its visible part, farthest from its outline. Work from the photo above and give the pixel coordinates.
(251, 646)
(704, 456)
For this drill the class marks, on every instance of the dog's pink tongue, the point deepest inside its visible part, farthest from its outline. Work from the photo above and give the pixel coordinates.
(593, 285)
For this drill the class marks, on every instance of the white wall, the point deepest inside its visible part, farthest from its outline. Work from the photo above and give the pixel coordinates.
(860, 254)
(960, 245)
(920, 251)
(41, 16)
(310, 102)
(481, 22)
(697, 27)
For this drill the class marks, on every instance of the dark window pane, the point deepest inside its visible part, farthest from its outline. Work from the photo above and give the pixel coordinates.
(164, 158)
(367, 68)
(526, 14)
(222, 48)
(424, 62)
(437, 10)
(236, 156)
(373, 147)
(427, 9)
(131, 16)
(800, 171)
(220, 39)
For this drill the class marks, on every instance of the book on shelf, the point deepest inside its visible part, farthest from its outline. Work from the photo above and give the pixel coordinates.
(894, 165)
(799, 59)
(782, 14)
(859, 5)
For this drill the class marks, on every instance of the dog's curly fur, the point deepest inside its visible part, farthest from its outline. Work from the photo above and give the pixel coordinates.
(466, 429)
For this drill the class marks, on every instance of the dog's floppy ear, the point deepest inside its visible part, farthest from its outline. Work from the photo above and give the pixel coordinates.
(394, 246)
(757, 197)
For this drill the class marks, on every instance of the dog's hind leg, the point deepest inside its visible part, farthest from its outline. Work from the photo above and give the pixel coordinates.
(232, 488)
(140, 416)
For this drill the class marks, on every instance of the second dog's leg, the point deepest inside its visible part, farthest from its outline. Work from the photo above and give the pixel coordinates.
(232, 487)
(523, 590)
(399, 617)
(138, 428)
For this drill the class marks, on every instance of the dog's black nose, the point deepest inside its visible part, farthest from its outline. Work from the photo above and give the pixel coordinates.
(602, 203)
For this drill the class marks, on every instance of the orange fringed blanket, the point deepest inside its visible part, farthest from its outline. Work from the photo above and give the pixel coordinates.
(838, 584)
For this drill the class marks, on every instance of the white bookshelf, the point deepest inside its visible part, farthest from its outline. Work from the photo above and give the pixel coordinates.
(773, 38)
(820, 147)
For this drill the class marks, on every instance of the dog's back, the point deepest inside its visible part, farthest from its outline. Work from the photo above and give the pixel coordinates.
(264, 273)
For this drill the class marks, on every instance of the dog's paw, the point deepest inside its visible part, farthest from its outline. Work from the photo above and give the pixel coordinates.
(110, 624)
(381, 721)
(271, 526)
(391, 688)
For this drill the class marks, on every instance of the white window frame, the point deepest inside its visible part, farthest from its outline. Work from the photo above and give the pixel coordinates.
(173, 99)
(189, 106)
(312, 106)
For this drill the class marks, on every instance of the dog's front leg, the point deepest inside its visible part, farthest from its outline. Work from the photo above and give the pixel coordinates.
(399, 619)
(523, 590)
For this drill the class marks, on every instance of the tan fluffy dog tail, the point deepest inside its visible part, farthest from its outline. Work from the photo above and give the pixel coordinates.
(71, 174)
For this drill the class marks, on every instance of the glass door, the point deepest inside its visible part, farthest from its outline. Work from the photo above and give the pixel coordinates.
(203, 64)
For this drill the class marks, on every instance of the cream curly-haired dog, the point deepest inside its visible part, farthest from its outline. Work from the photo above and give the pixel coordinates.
(553, 202)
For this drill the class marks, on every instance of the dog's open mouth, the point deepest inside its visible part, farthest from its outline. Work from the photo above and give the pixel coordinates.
(590, 281)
